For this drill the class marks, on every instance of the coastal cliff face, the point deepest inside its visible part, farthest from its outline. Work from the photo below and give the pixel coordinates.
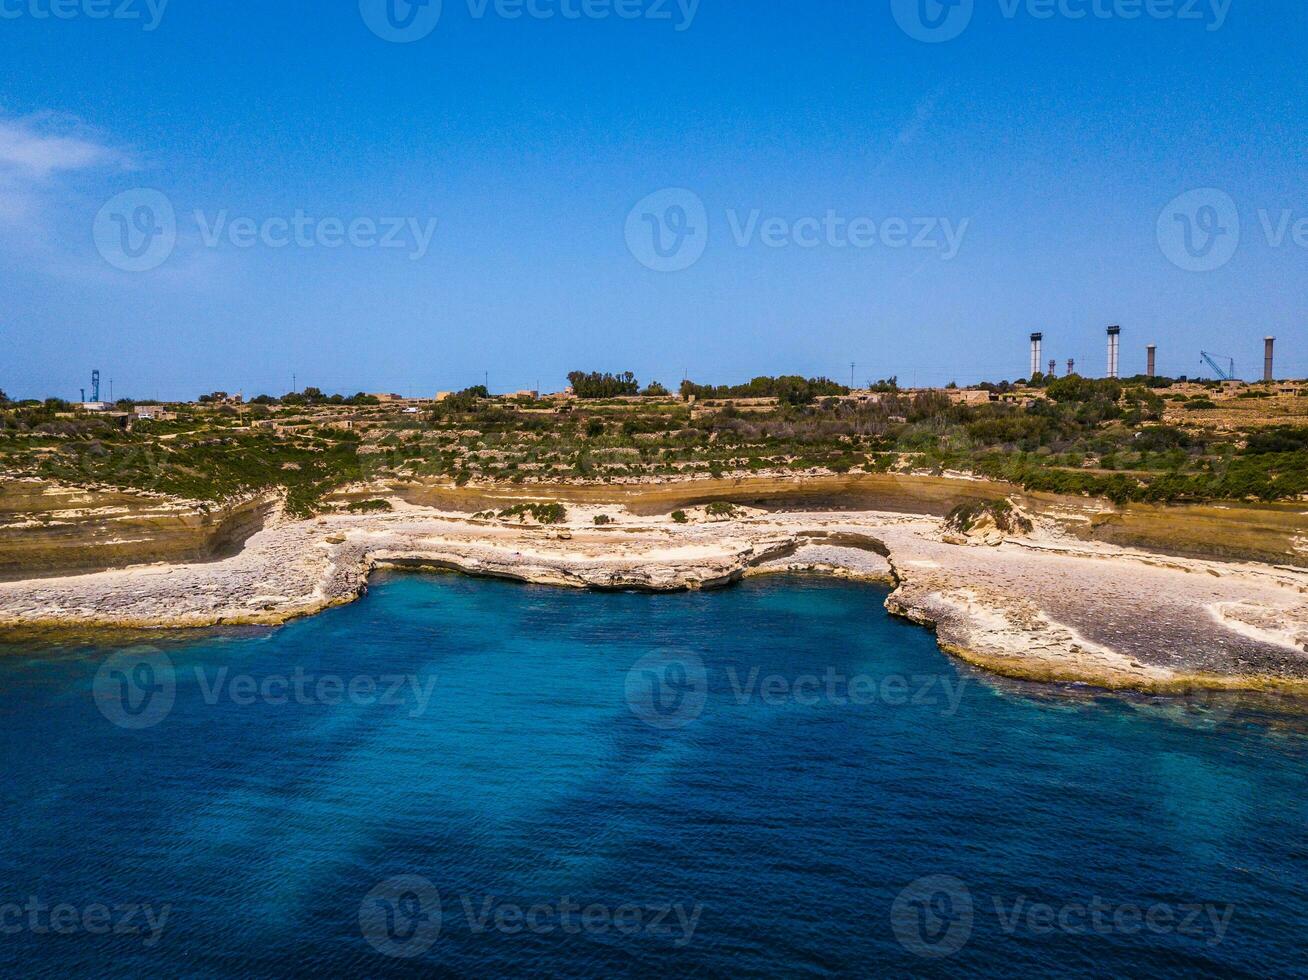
(1275, 533)
(49, 529)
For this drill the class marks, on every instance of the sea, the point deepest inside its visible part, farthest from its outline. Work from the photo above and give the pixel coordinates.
(467, 777)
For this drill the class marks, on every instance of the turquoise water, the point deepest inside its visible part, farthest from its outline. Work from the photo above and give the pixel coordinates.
(778, 779)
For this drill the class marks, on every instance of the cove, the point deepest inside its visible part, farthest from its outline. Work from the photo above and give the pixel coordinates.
(473, 777)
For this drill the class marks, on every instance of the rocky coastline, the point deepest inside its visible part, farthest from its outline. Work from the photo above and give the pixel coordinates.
(1039, 605)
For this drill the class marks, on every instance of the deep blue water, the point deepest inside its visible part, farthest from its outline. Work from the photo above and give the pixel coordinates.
(529, 804)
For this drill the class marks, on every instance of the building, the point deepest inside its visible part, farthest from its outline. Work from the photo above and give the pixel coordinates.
(966, 396)
(956, 396)
(154, 413)
(863, 396)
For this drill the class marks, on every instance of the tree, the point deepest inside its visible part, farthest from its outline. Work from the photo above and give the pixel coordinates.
(4, 399)
(791, 388)
(1075, 388)
(655, 390)
(463, 401)
(596, 385)
(309, 396)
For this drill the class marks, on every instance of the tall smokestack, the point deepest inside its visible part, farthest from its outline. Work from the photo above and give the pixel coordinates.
(1114, 345)
(1153, 361)
(1053, 369)
(1268, 345)
(1036, 344)
(1071, 366)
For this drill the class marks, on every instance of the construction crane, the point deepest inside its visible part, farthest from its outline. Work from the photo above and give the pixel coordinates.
(1227, 375)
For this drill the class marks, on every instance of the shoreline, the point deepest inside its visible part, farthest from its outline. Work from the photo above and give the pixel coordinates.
(1044, 607)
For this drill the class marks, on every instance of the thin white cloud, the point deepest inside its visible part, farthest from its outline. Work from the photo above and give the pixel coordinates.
(909, 133)
(40, 156)
(922, 113)
(39, 147)
(55, 173)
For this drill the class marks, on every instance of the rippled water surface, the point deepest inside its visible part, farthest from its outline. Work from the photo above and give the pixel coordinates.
(479, 778)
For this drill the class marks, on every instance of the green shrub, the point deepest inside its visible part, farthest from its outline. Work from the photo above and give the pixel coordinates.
(964, 517)
(370, 507)
(1075, 388)
(553, 513)
(1282, 439)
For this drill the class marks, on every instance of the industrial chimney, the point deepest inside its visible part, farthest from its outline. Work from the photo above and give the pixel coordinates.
(1268, 344)
(1071, 366)
(1153, 361)
(1114, 345)
(1036, 342)
(1053, 369)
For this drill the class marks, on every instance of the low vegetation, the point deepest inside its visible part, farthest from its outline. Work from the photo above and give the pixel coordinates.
(370, 507)
(553, 513)
(1130, 440)
(1001, 513)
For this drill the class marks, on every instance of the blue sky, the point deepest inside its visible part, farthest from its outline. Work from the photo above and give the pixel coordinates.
(916, 207)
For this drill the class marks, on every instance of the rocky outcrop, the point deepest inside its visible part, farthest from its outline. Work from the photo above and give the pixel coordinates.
(1042, 606)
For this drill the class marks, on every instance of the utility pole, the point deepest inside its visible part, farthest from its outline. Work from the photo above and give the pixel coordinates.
(851, 375)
